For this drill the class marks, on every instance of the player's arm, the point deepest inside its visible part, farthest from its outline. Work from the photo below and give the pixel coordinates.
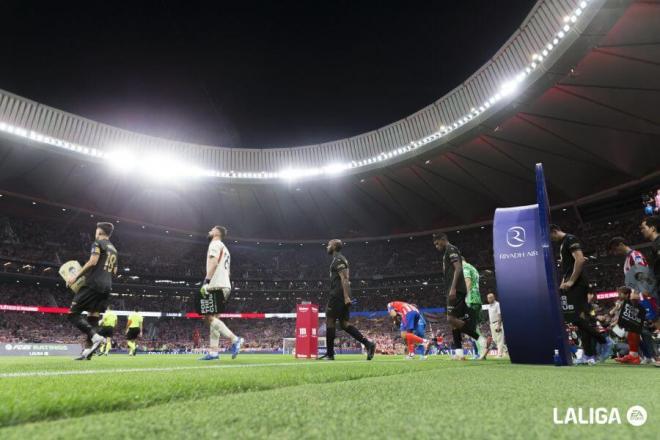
(578, 256)
(468, 281)
(212, 267)
(458, 269)
(128, 325)
(93, 261)
(642, 275)
(345, 285)
(141, 326)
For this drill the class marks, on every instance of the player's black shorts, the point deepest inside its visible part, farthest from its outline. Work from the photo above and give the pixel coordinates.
(459, 309)
(89, 300)
(337, 309)
(211, 304)
(132, 333)
(106, 331)
(574, 301)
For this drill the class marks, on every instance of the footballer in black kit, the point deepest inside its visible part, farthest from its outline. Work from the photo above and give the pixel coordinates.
(339, 303)
(461, 318)
(93, 295)
(574, 289)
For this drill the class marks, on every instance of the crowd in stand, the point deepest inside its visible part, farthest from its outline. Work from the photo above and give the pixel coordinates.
(160, 273)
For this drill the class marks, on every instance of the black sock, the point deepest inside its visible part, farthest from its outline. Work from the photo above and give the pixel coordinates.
(351, 330)
(458, 342)
(330, 341)
(79, 321)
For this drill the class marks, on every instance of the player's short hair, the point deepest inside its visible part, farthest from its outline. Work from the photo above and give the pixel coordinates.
(338, 244)
(222, 229)
(653, 222)
(615, 241)
(107, 228)
(440, 236)
(554, 227)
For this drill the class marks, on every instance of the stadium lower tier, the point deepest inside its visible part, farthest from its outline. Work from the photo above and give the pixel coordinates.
(181, 334)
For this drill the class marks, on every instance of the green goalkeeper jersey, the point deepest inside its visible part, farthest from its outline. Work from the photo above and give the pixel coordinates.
(473, 298)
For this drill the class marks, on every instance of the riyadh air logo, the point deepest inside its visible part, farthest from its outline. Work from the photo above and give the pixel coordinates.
(515, 236)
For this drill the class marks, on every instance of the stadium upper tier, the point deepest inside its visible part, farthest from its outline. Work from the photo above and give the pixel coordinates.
(575, 87)
(552, 29)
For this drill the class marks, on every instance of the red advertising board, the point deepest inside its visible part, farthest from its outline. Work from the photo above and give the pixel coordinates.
(307, 325)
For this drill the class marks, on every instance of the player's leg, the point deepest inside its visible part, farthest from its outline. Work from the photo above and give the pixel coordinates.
(108, 346)
(355, 333)
(409, 328)
(107, 333)
(330, 334)
(472, 318)
(236, 341)
(420, 332)
(86, 299)
(219, 328)
(577, 297)
(332, 313)
(214, 339)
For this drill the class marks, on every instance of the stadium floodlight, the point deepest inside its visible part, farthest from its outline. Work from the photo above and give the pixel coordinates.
(164, 168)
(334, 168)
(121, 160)
(509, 87)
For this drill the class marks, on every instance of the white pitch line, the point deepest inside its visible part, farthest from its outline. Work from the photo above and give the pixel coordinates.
(157, 369)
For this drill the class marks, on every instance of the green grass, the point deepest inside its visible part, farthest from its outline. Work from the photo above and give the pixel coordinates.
(278, 397)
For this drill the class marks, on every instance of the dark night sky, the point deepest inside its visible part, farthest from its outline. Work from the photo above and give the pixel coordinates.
(250, 74)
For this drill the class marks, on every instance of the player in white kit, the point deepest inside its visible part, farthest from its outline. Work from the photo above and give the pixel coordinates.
(214, 293)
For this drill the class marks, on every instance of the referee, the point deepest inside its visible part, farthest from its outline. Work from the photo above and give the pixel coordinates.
(93, 295)
(107, 324)
(339, 303)
(133, 331)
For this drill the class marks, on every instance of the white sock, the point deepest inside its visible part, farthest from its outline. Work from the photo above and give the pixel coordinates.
(223, 330)
(214, 338)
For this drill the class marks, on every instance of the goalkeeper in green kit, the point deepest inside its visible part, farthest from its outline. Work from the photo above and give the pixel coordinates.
(473, 301)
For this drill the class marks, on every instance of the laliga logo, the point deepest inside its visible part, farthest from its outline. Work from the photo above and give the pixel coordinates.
(515, 236)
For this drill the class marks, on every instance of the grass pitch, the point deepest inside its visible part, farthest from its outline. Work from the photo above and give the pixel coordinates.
(275, 396)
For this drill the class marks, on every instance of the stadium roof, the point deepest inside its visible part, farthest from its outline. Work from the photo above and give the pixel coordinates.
(576, 87)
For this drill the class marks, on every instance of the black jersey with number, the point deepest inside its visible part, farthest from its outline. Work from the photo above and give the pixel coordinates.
(451, 256)
(569, 244)
(100, 277)
(339, 263)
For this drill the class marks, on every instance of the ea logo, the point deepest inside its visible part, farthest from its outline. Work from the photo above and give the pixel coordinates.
(636, 415)
(8, 347)
(515, 236)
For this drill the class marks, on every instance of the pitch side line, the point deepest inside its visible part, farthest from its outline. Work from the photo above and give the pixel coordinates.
(157, 369)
